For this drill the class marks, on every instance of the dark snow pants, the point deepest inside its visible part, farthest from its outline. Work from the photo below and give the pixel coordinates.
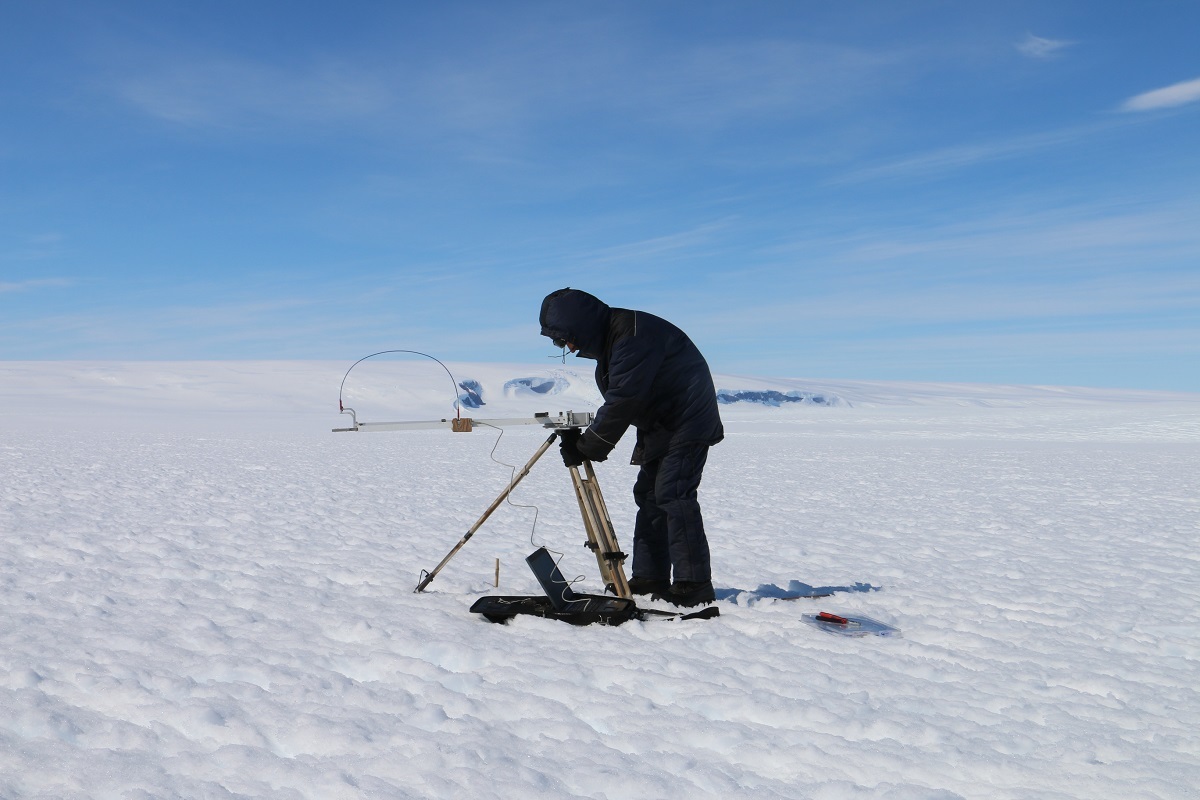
(668, 534)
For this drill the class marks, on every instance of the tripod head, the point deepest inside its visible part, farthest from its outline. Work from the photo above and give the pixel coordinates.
(565, 420)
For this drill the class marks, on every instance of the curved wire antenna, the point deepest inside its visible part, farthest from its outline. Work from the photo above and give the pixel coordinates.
(454, 383)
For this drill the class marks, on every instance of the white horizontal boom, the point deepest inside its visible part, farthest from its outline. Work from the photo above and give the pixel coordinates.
(563, 419)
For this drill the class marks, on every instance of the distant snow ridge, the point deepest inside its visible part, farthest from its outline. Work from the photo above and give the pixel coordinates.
(545, 386)
(526, 386)
(772, 398)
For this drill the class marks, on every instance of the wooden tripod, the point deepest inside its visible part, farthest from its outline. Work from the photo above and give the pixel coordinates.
(602, 538)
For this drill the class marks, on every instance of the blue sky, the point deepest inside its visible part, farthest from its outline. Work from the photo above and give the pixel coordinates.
(980, 192)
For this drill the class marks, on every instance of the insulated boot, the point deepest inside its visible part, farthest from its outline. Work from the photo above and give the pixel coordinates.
(688, 593)
(648, 585)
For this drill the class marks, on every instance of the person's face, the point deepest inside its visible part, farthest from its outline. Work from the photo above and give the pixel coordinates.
(569, 345)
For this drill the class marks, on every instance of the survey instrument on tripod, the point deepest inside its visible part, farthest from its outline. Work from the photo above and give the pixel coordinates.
(601, 537)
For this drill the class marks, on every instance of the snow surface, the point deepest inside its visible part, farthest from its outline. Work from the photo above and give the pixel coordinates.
(206, 593)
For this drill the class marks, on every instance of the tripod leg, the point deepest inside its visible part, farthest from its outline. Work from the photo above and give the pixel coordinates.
(608, 534)
(602, 539)
(427, 577)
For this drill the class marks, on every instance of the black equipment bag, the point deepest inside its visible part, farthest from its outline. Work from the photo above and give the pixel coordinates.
(615, 611)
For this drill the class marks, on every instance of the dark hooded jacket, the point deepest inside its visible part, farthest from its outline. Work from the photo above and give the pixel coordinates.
(651, 375)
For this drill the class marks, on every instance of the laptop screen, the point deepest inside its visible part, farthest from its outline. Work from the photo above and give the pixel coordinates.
(550, 577)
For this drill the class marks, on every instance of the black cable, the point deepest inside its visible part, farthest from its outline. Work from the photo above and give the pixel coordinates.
(536, 510)
(492, 455)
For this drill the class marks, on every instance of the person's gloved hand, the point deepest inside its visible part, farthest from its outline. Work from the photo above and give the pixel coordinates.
(594, 449)
(568, 446)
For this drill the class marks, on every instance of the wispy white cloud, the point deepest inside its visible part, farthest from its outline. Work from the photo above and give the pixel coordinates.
(1038, 47)
(30, 285)
(1086, 355)
(721, 85)
(223, 91)
(680, 243)
(507, 95)
(957, 157)
(850, 311)
(1095, 234)
(503, 90)
(38, 247)
(1093, 264)
(1177, 94)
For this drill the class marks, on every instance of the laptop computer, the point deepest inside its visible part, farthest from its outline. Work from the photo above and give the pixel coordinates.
(562, 597)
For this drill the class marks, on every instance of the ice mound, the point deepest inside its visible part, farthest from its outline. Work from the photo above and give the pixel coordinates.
(472, 396)
(518, 387)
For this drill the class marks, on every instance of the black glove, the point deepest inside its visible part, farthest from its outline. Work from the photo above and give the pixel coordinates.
(594, 449)
(568, 446)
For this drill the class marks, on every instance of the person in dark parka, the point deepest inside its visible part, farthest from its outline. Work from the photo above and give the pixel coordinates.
(653, 378)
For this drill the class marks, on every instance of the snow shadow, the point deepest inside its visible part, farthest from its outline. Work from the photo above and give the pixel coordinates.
(795, 590)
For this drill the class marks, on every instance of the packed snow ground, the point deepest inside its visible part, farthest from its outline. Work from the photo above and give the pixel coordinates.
(206, 593)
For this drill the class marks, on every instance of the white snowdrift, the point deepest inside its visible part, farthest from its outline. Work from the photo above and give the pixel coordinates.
(205, 593)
